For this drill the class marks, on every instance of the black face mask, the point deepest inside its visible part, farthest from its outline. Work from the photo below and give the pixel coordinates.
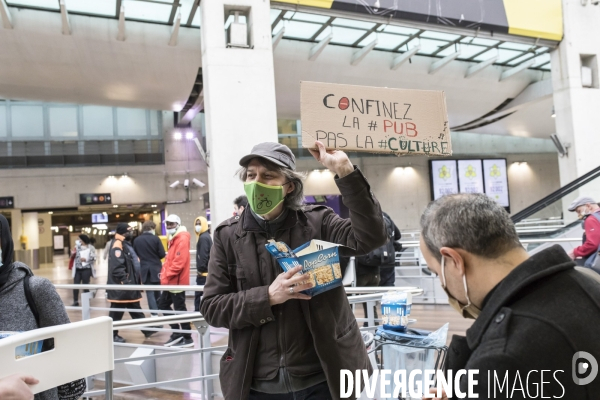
(127, 236)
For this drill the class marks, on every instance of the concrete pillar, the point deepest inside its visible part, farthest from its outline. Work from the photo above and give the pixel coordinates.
(31, 232)
(576, 107)
(239, 95)
(16, 227)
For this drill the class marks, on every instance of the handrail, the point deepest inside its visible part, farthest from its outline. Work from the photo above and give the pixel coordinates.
(415, 291)
(556, 195)
(181, 318)
(94, 286)
(414, 243)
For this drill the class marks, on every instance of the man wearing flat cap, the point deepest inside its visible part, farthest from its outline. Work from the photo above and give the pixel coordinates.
(586, 207)
(284, 344)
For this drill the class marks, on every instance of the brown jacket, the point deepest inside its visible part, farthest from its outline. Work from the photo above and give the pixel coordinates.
(239, 274)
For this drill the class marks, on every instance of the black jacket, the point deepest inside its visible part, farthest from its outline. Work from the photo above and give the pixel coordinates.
(122, 272)
(150, 250)
(536, 319)
(203, 252)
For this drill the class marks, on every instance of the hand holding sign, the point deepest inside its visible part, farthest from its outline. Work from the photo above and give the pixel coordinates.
(334, 160)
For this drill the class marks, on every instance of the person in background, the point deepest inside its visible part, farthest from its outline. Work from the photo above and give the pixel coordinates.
(387, 271)
(121, 271)
(239, 205)
(16, 387)
(203, 246)
(586, 207)
(150, 250)
(84, 265)
(176, 271)
(17, 314)
(111, 236)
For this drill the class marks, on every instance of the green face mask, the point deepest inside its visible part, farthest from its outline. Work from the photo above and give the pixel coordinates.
(263, 198)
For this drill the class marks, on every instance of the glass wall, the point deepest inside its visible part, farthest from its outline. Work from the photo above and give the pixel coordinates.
(290, 133)
(37, 134)
(24, 120)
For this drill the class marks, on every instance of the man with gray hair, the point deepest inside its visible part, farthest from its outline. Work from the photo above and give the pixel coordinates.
(282, 343)
(532, 313)
(586, 207)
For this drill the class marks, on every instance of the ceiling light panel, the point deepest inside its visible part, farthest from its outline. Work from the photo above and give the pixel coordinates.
(400, 30)
(343, 35)
(300, 30)
(352, 23)
(96, 7)
(147, 11)
(310, 17)
(49, 4)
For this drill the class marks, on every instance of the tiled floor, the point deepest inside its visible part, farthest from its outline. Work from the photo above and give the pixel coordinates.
(429, 317)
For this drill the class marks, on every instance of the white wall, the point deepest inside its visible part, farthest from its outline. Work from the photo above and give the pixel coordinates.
(404, 194)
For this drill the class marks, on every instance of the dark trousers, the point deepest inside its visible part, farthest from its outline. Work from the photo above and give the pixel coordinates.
(200, 280)
(82, 275)
(152, 295)
(388, 276)
(316, 392)
(118, 315)
(167, 299)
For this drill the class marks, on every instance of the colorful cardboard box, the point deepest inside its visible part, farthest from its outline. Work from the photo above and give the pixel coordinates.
(320, 261)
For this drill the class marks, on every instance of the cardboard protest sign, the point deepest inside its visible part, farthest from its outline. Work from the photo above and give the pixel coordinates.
(375, 120)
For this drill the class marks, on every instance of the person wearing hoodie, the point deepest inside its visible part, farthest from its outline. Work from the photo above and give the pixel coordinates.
(17, 314)
(176, 271)
(83, 268)
(203, 246)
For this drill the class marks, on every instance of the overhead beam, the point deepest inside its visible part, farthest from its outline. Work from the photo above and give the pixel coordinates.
(404, 57)
(64, 15)
(189, 115)
(175, 31)
(277, 38)
(121, 33)
(5, 14)
(362, 53)
(477, 68)
(319, 47)
(532, 94)
(513, 71)
(436, 66)
(192, 13)
(174, 12)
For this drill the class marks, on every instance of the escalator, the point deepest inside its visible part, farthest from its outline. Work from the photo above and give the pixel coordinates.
(548, 221)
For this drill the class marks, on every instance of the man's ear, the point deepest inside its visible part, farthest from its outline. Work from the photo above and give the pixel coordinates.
(291, 188)
(454, 259)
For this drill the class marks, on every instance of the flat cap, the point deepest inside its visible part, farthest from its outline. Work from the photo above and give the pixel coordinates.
(581, 200)
(277, 153)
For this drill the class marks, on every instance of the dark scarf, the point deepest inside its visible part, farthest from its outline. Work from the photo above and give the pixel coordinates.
(7, 246)
(271, 227)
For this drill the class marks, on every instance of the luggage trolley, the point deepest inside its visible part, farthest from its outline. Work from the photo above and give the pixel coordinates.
(411, 350)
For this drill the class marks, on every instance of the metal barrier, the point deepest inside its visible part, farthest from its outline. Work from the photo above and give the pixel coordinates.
(369, 295)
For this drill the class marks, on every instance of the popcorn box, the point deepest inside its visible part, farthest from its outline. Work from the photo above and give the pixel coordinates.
(320, 261)
(25, 350)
